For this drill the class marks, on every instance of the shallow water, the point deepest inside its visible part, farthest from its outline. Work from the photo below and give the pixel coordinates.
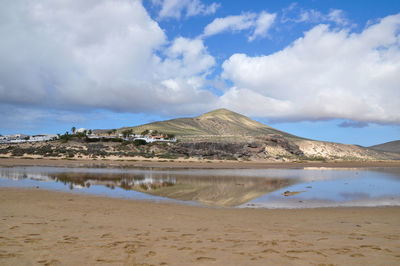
(318, 187)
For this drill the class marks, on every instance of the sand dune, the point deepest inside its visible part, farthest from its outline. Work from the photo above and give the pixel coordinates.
(48, 228)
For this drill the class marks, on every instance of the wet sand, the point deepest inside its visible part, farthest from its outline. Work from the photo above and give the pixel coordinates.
(41, 227)
(7, 162)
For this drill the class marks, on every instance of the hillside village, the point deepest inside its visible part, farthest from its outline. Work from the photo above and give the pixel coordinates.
(21, 138)
(148, 136)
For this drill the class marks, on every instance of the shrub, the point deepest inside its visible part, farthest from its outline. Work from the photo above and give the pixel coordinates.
(139, 142)
(18, 152)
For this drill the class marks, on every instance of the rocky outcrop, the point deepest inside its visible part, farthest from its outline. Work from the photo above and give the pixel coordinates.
(277, 144)
(216, 150)
(269, 146)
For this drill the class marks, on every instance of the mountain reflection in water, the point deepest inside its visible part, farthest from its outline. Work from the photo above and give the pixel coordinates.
(209, 190)
(224, 191)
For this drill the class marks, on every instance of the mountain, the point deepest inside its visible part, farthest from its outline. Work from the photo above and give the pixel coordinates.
(225, 134)
(221, 122)
(392, 146)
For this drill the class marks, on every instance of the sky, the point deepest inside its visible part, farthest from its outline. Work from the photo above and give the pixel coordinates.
(326, 70)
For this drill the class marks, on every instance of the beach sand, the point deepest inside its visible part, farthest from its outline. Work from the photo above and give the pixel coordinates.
(40, 227)
(214, 164)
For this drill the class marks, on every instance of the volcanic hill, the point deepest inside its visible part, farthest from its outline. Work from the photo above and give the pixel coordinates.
(226, 134)
(220, 124)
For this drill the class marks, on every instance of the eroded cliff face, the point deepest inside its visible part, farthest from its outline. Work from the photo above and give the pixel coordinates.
(278, 147)
(329, 150)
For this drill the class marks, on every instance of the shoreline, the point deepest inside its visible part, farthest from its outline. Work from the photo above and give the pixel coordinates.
(12, 162)
(56, 228)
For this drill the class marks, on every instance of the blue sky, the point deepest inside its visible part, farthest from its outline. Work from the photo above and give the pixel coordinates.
(326, 70)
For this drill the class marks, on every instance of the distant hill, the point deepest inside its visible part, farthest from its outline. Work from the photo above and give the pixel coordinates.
(220, 122)
(392, 146)
(227, 133)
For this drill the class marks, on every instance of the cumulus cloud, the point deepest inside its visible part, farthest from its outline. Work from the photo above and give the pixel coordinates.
(326, 74)
(175, 8)
(98, 54)
(259, 23)
(105, 54)
(186, 57)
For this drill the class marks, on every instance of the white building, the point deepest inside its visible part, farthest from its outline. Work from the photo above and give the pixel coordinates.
(151, 139)
(81, 130)
(42, 137)
(19, 138)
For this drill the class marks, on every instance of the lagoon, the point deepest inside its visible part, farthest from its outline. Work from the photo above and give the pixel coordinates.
(241, 188)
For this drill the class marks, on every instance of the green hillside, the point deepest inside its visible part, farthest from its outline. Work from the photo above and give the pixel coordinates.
(217, 123)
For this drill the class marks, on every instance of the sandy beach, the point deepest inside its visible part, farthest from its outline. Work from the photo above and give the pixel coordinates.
(215, 164)
(41, 227)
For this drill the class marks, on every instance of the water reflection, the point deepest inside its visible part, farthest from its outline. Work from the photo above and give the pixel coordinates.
(245, 188)
(214, 190)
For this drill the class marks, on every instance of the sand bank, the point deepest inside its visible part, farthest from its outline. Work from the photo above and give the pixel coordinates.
(6, 162)
(40, 227)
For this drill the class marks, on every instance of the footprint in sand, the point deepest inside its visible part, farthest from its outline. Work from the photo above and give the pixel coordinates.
(341, 251)
(185, 248)
(48, 263)
(106, 235)
(205, 259)
(32, 238)
(355, 255)
(150, 254)
(355, 238)
(270, 250)
(392, 237)
(371, 246)
(69, 239)
(183, 235)
(169, 230)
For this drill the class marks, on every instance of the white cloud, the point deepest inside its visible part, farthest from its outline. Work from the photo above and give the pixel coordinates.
(259, 23)
(230, 23)
(337, 16)
(106, 54)
(296, 14)
(97, 54)
(326, 74)
(175, 8)
(263, 24)
(186, 57)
